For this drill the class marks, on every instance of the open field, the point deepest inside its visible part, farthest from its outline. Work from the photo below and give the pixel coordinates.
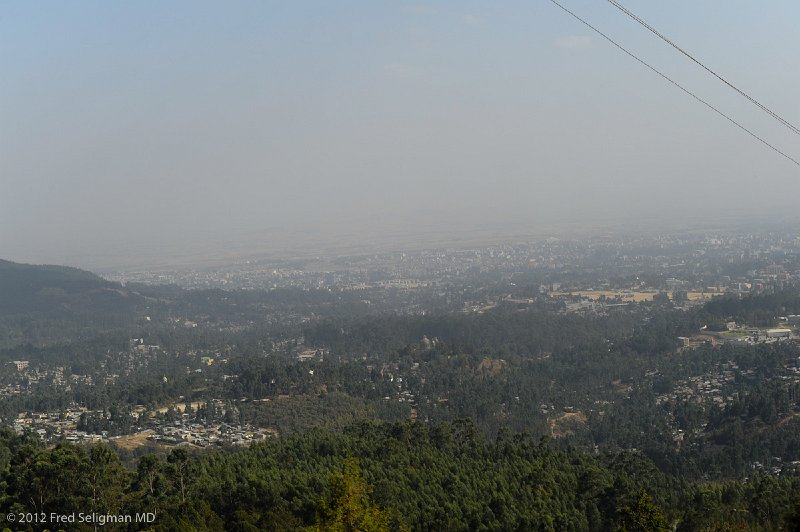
(566, 424)
(180, 407)
(132, 441)
(630, 295)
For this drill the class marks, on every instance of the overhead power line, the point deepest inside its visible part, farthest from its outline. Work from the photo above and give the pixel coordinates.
(675, 83)
(664, 38)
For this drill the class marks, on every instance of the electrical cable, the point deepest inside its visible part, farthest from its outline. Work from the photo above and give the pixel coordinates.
(664, 38)
(675, 83)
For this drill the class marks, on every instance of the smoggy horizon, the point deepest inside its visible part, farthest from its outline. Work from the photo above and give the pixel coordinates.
(162, 131)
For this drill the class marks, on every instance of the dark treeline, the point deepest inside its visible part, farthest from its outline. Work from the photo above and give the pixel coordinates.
(759, 310)
(524, 331)
(387, 477)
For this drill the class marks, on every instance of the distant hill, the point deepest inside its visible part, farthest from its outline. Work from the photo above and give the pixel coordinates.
(57, 290)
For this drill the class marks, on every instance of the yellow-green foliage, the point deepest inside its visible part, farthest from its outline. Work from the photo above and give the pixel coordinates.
(348, 507)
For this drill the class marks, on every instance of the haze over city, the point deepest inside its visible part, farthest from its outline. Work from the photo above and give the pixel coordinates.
(193, 125)
(399, 266)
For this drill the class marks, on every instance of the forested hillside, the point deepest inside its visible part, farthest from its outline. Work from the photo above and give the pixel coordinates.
(296, 408)
(387, 477)
(28, 288)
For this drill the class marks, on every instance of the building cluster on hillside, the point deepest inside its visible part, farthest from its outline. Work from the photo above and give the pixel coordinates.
(65, 425)
(708, 388)
(197, 434)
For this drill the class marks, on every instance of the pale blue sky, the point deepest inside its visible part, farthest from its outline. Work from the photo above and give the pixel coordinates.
(127, 123)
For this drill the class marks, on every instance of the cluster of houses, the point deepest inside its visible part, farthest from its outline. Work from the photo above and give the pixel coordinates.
(710, 387)
(52, 427)
(203, 436)
(55, 426)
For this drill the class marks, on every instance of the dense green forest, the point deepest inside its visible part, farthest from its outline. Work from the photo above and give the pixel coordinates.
(386, 477)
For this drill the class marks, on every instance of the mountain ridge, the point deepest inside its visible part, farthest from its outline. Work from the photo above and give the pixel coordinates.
(52, 289)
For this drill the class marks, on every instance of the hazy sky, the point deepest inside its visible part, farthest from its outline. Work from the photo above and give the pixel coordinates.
(130, 124)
